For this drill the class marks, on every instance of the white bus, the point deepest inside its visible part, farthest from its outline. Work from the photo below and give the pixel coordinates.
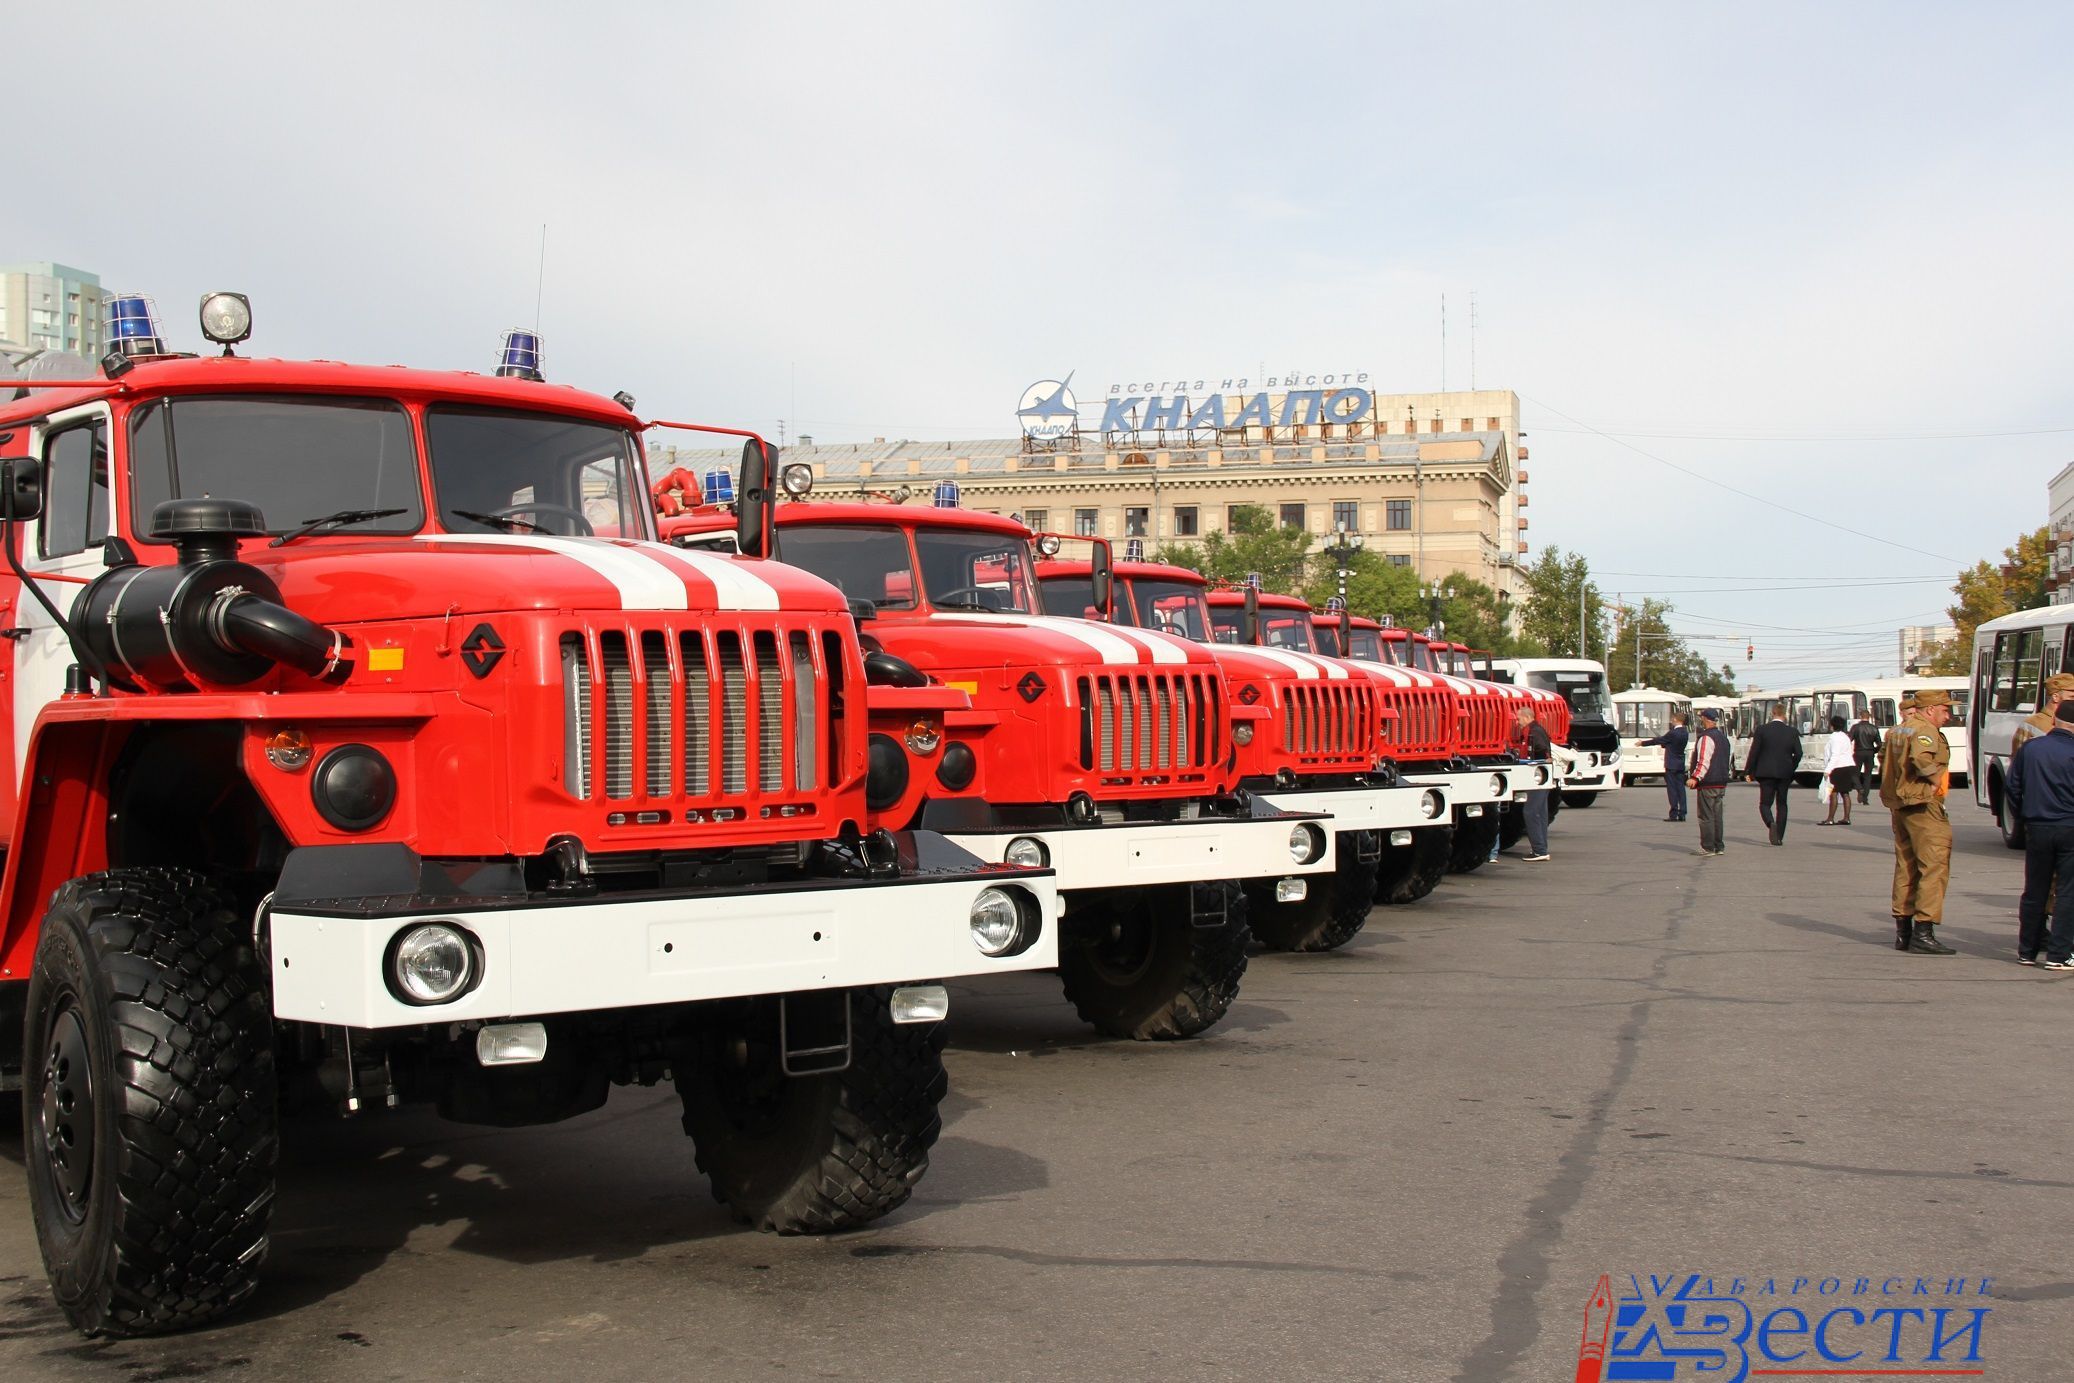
(2012, 657)
(1808, 710)
(1582, 683)
(1644, 713)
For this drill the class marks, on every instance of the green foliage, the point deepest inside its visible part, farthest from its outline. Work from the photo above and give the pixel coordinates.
(1550, 615)
(1985, 591)
(1257, 543)
(1668, 663)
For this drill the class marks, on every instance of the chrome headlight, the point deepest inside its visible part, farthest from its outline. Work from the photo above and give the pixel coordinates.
(1541, 773)
(797, 479)
(226, 317)
(1306, 842)
(1027, 851)
(1049, 545)
(1497, 785)
(1242, 733)
(1432, 803)
(1001, 923)
(432, 963)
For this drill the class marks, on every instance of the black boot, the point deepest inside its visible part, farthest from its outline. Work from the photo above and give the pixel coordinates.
(1925, 942)
(1904, 932)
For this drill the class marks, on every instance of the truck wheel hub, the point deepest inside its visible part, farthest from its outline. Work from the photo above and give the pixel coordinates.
(68, 1113)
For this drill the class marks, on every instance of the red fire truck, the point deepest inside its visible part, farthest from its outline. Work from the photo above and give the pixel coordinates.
(1338, 742)
(1106, 754)
(366, 749)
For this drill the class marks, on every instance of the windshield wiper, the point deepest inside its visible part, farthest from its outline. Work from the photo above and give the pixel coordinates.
(510, 523)
(343, 516)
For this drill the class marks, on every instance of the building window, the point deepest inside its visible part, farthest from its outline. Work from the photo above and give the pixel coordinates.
(1185, 523)
(1346, 513)
(1399, 511)
(1136, 521)
(1469, 424)
(1231, 517)
(1292, 516)
(1036, 520)
(1400, 559)
(1084, 522)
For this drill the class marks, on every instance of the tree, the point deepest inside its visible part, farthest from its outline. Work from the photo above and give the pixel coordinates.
(1550, 617)
(1376, 587)
(1256, 543)
(1668, 663)
(1985, 591)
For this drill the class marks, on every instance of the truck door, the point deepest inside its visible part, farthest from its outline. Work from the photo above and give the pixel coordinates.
(61, 549)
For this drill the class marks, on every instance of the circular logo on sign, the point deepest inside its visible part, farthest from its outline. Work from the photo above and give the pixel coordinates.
(1047, 411)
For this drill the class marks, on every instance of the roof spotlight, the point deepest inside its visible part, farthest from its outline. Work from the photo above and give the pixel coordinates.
(226, 318)
(797, 478)
(1049, 545)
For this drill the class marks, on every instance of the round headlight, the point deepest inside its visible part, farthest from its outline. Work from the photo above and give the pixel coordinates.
(797, 478)
(1049, 545)
(1027, 851)
(1541, 773)
(1242, 733)
(1306, 842)
(1497, 785)
(226, 318)
(924, 735)
(997, 923)
(1432, 803)
(432, 963)
(353, 787)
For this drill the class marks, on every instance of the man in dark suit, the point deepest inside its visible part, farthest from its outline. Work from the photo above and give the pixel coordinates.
(1673, 741)
(1774, 759)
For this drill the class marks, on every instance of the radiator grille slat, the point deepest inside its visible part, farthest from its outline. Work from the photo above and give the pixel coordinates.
(1330, 720)
(619, 715)
(1148, 722)
(734, 720)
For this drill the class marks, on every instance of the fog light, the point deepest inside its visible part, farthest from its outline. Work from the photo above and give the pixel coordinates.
(432, 963)
(1027, 851)
(1242, 733)
(289, 750)
(997, 923)
(226, 318)
(924, 735)
(1473, 809)
(1432, 803)
(921, 1003)
(511, 1044)
(1400, 837)
(1081, 809)
(1306, 842)
(1290, 890)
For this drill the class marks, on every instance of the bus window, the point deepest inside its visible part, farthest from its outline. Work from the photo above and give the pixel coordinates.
(2025, 677)
(1883, 712)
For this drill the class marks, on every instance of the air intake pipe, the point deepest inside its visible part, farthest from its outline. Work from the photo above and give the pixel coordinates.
(209, 619)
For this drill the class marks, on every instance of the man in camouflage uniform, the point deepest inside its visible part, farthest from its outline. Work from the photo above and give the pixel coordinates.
(1915, 765)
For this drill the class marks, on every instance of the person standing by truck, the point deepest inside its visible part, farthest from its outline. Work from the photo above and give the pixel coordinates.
(2041, 793)
(1915, 768)
(1673, 742)
(1534, 743)
(1708, 778)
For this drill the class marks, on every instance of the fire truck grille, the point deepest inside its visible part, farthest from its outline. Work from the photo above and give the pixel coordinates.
(1487, 722)
(1149, 722)
(716, 715)
(1330, 720)
(1421, 729)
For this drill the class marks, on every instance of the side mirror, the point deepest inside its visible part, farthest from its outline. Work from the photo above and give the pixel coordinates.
(753, 503)
(21, 488)
(1102, 577)
(1249, 618)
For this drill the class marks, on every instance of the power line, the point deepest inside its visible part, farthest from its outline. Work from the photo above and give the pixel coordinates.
(1760, 499)
(1817, 437)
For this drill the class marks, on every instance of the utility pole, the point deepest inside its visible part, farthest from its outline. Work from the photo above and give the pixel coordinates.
(1583, 647)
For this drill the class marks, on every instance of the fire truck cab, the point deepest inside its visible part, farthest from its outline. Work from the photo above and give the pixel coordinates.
(365, 748)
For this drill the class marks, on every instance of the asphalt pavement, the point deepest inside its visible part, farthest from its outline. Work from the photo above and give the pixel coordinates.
(1411, 1159)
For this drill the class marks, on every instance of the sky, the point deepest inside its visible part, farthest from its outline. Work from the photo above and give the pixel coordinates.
(1736, 263)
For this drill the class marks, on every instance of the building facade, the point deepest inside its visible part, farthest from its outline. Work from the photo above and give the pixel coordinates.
(1920, 642)
(1434, 482)
(51, 307)
(2059, 503)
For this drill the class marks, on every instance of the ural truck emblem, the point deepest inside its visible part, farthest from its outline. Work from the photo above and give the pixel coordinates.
(1031, 687)
(482, 650)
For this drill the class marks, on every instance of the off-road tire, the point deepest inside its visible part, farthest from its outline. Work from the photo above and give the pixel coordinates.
(1135, 965)
(1334, 909)
(1473, 838)
(1410, 872)
(1579, 800)
(145, 983)
(1513, 827)
(823, 1153)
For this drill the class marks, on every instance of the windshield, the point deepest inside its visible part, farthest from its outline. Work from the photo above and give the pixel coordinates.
(1585, 691)
(1849, 705)
(863, 563)
(497, 471)
(1646, 719)
(1071, 596)
(1173, 607)
(1278, 628)
(297, 458)
(963, 570)
(1367, 646)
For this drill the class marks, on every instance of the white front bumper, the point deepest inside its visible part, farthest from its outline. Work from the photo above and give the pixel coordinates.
(1367, 809)
(1179, 852)
(587, 956)
(1595, 771)
(1495, 784)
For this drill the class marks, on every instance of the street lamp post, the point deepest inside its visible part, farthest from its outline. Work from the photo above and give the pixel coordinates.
(1435, 593)
(1341, 550)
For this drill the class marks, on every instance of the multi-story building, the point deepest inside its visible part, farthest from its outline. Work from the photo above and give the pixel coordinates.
(1430, 481)
(50, 307)
(1920, 643)
(2059, 501)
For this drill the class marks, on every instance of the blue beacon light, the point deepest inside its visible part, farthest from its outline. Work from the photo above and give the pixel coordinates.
(719, 486)
(520, 357)
(946, 494)
(132, 326)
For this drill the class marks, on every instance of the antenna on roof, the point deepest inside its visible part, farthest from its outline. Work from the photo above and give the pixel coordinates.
(1472, 340)
(540, 281)
(1443, 343)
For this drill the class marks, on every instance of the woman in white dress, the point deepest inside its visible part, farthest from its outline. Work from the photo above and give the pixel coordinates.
(1840, 771)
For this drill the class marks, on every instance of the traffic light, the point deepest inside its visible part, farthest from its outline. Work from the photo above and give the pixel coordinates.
(1750, 653)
